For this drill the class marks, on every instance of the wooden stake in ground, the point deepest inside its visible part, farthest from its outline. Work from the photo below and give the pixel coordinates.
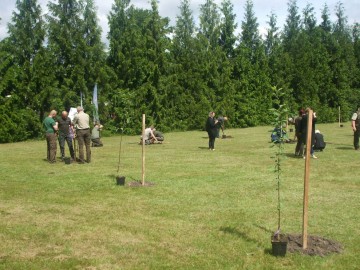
(306, 178)
(143, 151)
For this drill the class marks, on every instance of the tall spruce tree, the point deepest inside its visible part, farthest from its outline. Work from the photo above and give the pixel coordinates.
(344, 62)
(156, 32)
(185, 73)
(22, 53)
(251, 73)
(227, 28)
(209, 22)
(68, 46)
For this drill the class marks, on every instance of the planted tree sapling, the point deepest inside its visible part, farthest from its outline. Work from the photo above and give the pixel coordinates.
(279, 117)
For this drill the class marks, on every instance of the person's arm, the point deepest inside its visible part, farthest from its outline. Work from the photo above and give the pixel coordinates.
(56, 126)
(153, 136)
(353, 121)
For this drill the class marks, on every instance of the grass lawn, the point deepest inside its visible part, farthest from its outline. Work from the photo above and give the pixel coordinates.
(206, 210)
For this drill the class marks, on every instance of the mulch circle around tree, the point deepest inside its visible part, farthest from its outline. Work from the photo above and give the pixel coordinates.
(316, 245)
(139, 184)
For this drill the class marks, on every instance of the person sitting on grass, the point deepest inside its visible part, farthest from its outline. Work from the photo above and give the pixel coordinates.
(279, 135)
(150, 137)
(95, 135)
(319, 143)
(159, 136)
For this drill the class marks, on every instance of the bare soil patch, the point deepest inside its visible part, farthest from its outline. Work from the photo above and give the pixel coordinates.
(139, 184)
(317, 245)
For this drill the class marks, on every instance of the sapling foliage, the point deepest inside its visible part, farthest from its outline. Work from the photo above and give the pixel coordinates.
(279, 120)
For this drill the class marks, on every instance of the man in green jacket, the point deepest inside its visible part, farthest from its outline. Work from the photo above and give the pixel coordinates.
(51, 127)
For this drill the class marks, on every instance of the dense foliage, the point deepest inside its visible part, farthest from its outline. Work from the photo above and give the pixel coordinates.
(174, 75)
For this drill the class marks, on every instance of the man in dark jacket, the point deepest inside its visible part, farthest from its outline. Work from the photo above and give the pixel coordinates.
(66, 133)
(304, 128)
(211, 129)
(299, 149)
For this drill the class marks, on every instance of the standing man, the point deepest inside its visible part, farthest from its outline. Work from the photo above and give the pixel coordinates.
(299, 149)
(81, 123)
(355, 124)
(65, 134)
(211, 129)
(51, 128)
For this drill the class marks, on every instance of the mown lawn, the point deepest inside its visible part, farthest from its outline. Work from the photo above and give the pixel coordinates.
(206, 210)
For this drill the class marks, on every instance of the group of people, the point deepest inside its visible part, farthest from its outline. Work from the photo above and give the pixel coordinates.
(301, 128)
(213, 126)
(65, 130)
(152, 136)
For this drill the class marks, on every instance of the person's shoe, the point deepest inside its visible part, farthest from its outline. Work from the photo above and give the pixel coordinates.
(313, 156)
(213, 149)
(304, 157)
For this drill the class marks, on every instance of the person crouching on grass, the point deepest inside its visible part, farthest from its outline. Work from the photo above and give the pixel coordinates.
(211, 128)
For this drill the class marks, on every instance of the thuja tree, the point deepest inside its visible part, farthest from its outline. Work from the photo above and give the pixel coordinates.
(21, 61)
(279, 114)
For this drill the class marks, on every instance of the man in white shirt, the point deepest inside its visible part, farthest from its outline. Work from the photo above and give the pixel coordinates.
(355, 124)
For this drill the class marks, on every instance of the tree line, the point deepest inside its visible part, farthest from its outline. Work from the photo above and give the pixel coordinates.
(173, 74)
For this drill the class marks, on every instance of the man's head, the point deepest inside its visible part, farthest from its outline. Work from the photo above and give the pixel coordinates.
(64, 114)
(53, 113)
(79, 109)
(301, 112)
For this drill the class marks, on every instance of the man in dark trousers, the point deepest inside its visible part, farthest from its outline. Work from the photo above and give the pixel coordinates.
(51, 127)
(211, 129)
(304, 128)
(65, 134)
(82, 124)
(299, 149)
(355, 124)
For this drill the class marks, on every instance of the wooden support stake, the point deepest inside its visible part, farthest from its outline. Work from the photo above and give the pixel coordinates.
(306, 178)
(143, 151)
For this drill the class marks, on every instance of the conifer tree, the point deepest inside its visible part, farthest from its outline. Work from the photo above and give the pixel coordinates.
(251, 72)
(68, 46)
(227, 28)
(21, 53)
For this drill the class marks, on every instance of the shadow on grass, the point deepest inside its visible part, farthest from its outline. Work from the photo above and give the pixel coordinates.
(345, 148)
(291, 155)
(240, 234)
(264, 229)
(203, 147)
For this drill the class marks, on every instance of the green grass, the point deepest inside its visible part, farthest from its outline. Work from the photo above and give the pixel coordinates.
(207, 210)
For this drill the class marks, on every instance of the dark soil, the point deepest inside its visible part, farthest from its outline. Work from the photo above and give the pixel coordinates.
(316, 245)
(139, 184)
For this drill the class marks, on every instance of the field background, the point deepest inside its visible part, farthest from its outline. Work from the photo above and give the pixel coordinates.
(206, 210)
